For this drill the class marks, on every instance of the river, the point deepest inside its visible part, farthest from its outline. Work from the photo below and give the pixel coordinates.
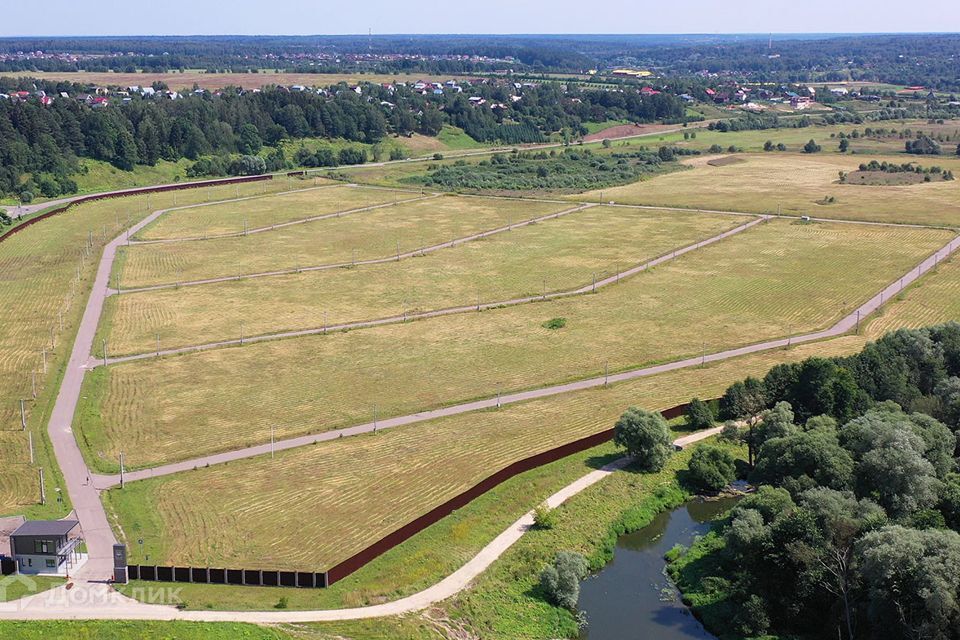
(632, 598)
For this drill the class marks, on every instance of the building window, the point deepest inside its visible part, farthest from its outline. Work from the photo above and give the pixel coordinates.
(41, 546)
(51, 563)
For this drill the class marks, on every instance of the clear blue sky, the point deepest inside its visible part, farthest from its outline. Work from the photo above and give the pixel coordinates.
(296, 17)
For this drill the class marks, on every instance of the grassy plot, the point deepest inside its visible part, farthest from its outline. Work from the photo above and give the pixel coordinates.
(139, 630)
(798, 184)
(370, 234)
(14, 588)
(311, 507)
(932, 300)
(234, 217)
(38, 267)
(778, 278)
(555, 255)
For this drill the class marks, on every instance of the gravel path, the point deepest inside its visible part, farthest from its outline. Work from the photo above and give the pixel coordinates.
(478, 306)
(94, 601)
(91, 599)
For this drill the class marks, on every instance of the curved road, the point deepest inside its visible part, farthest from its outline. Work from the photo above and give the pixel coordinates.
(97, 601)
(100, 538)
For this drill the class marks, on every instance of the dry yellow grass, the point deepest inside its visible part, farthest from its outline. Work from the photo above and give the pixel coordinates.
(37, 268)
(309, 508)
(233, 217)
(933, 299)
(370, 234)
(778, 278)
(795, 182)
(558, 254)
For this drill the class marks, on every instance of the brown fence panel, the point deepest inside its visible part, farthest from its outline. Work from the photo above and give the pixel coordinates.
(436, 514)
(303, 579)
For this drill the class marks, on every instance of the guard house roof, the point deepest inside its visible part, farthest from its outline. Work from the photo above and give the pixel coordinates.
(45, 528)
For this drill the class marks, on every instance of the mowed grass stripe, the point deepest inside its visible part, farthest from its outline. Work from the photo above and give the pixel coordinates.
(933, 299)
(309, 508)
(555, 255)
(299, 200)
(795, 184)
(37, 268)
(777, 278)
(366, 235)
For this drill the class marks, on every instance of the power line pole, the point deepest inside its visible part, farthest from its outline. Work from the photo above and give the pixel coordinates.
(121, 469)
(43, 491)
(23, 417)
(30, 443)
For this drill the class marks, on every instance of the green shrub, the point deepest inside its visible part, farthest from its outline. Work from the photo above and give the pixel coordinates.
(555, 323)
(560, 581)
(645, 436)
(711, 468)
(544, 517)
(699, 415)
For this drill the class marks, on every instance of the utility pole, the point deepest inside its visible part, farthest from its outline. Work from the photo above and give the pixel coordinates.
(703, 357)
(606, 372)
(241, 334)
(104, 352)
(43, 491)
(30, 443)
(121, 469)
(272, 442)
(158, 344)
(33, 383)
(43, 354)
(23, 417)
(374, 418)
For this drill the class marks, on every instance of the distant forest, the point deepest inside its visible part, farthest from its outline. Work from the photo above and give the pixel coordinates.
(45, 142)
(909, 59)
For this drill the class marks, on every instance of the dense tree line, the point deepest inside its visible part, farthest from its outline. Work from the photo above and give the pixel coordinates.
(46, 141)
(853, 530)
(568, 170)
(907, 59)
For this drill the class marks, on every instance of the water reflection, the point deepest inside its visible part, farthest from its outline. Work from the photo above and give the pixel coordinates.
(632, 598)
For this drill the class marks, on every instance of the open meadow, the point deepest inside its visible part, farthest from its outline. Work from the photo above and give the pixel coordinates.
(258, 212)
(779, 278)
(932, 300)
(251, 513)
(555, 255)
(360, 236)
(42, 303)
(798, 185)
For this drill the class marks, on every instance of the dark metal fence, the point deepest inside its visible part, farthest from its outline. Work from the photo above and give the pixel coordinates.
(258, 577)
(130, 192)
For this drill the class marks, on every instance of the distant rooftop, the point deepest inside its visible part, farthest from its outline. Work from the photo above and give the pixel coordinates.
(45, 528)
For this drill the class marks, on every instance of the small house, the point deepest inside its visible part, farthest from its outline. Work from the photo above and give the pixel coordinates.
(47, 546)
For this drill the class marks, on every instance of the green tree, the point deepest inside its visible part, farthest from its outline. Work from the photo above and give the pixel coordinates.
(811, 146)
(844, 145)
(645, 436)
(699, 415)
(560, 581)
(250, 142)
(912, 582)
(803, 461)
(711, 468)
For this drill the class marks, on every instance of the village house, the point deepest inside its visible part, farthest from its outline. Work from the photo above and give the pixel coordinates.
(47, 547)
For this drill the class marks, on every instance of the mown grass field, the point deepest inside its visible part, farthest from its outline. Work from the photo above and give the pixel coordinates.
(251, 513)
(932, 300)
(364, 235)
(139, 630)
(555, 255)
(827, 136)
(234, 217)
(38, 267)
(795, 183)
(781, 277)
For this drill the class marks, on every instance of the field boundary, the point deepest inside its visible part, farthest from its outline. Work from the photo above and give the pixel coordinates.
(313, 579)
(129, 192)
(433, 313)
